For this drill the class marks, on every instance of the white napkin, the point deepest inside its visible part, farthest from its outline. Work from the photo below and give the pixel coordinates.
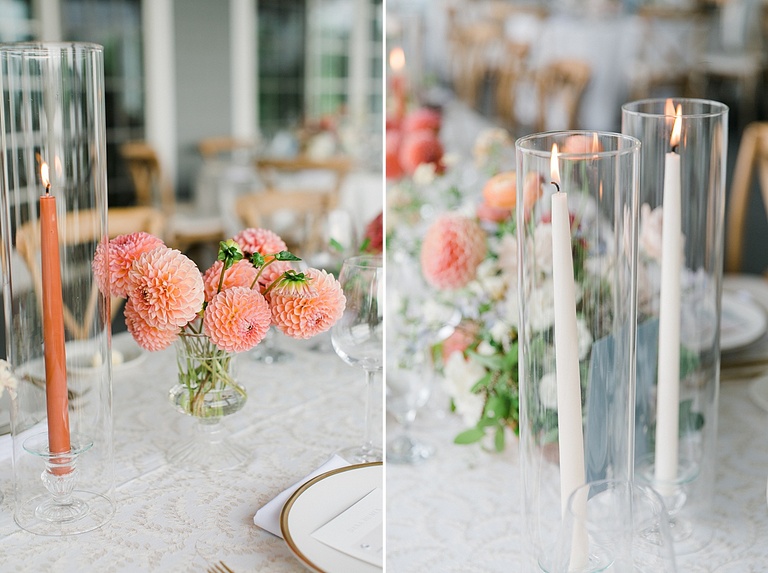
(268, 517)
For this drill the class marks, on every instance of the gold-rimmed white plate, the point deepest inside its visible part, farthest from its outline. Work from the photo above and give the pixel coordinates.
(316, 503)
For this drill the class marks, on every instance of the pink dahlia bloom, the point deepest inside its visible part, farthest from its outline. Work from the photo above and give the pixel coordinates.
(166, 288)
(242, 273)
(123, 250)
(261, 241)
(453, 247)
(148, 337)
(423, 118)
(420, 147)
(300, 316)
(237, 319)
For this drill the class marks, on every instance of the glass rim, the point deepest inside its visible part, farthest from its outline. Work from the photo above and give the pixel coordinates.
(44, 48)
(717, 108)
(361, 260)
(633, 144)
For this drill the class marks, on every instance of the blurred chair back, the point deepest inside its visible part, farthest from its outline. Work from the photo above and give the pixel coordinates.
(561, 82)
(753, 154)
(153, 189)
(294, 215)
(78, 228)
(302, 173)
(214, 147)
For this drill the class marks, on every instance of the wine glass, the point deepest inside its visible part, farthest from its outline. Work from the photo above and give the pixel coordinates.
(409, 385)
(357, 337)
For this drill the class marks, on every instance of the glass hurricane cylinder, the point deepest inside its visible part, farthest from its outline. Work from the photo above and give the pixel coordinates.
(208, 391)
(576, 276)
(680, 262)
(57, 318)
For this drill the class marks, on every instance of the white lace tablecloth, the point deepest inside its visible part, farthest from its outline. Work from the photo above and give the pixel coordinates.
(168, 519)
(460, 512)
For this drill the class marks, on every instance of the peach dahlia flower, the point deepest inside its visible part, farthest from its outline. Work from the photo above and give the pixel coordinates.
(237, 319)
(166, 288)
(242, 273)
(148, 337)
(299, 314)
(453, 247)
(261, 241)
(122, 251)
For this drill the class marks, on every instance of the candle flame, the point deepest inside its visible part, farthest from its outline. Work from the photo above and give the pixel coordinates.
(397, 59)
(669, 108)
(44, 175)
(554, 167)
(674, 141)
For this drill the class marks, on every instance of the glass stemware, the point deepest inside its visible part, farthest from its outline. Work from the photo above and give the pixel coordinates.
(409, 385)
(358, 337)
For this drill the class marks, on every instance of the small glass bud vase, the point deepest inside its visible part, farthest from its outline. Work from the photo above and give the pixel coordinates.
(208, 391)
(680, 271)
(576, 245)
(54, 204)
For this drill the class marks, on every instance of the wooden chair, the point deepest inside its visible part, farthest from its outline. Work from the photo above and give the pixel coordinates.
(671, 39)
(475, 43)
(303, 211)
(753, 154)
(184, 228)
(214, 147)
(564, 82)
(512, 72)
(302, 173)
(81, 228)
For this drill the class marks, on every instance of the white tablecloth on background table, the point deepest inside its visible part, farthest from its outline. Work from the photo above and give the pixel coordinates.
(168, 519)
(460, 512)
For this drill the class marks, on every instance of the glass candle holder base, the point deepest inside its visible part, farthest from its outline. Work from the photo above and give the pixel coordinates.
(404, 449)
(689, 533)
(62, 509)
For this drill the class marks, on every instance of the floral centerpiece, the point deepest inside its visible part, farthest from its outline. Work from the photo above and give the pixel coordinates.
(213, 315)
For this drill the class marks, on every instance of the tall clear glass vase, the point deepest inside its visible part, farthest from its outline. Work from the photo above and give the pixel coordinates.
(680, 271)
(576, 233)
(54, 209)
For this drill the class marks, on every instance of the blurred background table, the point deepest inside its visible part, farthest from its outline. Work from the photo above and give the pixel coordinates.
(169, 519)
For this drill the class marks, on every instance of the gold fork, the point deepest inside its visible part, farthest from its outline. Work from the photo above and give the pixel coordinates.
(220, 567)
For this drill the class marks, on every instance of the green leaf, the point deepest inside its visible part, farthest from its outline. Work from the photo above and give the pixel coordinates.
(498, 439)
(286, 256)
(494, 362)
(257, 259)
(336, 246)
(470, 436)
(496, 408)
(482, 383)
(365, 244)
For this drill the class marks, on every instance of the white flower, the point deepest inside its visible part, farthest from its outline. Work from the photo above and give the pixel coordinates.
(584, 337)
(543, 250)
(548, 391)
(7, 379)
(424, 174)
(487, 141)
(485, 348)
(451, 159)
(507, 252)
(541, 306)
(512, 308)
(461, 375)
(500, 332)
(651, 223)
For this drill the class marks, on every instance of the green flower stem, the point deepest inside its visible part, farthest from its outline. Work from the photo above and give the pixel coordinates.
(203, 368)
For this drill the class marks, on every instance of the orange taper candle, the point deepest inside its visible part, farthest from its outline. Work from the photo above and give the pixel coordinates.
(53, 323)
